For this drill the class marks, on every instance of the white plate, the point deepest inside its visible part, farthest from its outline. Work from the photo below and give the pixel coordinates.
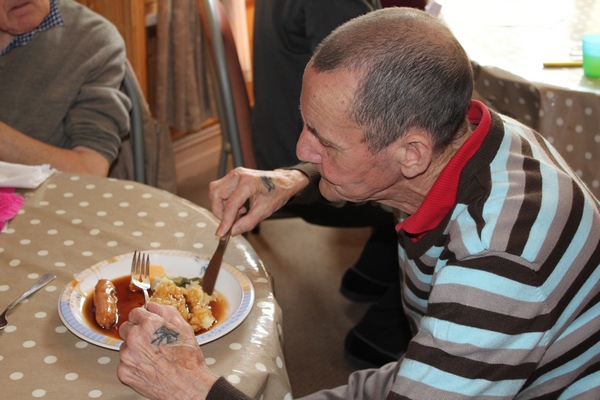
(231, 284)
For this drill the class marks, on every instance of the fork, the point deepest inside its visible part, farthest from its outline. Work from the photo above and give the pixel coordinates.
(140, 273)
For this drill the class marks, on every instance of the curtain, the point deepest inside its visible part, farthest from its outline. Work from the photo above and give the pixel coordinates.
(184, 94)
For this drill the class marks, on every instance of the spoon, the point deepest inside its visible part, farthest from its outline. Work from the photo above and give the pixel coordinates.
(44, 280)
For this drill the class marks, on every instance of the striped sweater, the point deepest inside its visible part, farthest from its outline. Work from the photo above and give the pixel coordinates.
(501, 274)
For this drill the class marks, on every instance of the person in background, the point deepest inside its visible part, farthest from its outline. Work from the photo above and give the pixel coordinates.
(286, 33)
(61, 68)
(499, 240)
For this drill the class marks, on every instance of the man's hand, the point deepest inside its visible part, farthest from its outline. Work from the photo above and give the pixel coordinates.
(266, 191)
(160, 358)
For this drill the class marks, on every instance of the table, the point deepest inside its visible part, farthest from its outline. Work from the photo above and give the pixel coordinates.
(508, 42)
(72, 222)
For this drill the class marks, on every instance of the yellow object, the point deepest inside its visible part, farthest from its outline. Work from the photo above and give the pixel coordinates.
(563, 64)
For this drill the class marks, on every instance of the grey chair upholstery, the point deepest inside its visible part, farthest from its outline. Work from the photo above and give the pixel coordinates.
(137, 125)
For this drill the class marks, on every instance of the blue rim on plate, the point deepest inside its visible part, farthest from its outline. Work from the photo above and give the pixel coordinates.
(231, 284)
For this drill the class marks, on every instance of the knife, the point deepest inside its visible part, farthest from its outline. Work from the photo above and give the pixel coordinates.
(214, 266)
(212, 271)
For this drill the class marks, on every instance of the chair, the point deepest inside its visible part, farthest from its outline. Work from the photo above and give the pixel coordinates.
(130, 88)
(233, 103)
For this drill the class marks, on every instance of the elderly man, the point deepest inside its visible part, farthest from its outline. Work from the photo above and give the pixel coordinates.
(499, 240)
(61, 67)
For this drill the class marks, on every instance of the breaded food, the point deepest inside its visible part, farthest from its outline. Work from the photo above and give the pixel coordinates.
(166, 292)
(192, 302)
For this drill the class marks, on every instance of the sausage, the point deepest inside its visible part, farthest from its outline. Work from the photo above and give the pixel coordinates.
(105, 303)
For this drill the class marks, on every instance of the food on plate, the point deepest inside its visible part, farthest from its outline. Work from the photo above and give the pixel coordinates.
(105, 303)
(187, 296)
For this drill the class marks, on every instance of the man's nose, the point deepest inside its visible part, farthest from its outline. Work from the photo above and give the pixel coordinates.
(305, 148)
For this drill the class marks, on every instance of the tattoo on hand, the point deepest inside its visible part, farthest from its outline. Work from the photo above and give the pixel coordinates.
(166, 334)
(268, 182)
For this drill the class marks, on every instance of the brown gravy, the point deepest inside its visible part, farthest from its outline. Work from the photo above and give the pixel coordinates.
(127, 301)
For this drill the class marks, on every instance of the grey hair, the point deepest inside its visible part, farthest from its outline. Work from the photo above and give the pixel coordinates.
(413, 74)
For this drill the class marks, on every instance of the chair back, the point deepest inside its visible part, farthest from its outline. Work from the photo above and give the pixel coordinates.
(130, 88)
(233, 103)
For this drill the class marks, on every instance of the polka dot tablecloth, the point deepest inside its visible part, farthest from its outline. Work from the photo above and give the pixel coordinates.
(72, 222)
(509, 41)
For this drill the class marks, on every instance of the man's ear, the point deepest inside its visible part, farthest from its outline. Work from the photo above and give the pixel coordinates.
(415, 154)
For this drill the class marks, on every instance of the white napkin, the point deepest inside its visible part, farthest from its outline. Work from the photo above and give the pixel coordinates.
(23, 176)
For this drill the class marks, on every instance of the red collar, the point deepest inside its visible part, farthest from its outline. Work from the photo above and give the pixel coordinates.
(442, 196)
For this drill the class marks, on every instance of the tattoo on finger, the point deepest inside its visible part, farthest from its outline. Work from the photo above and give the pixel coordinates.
(268, 183)
(165, 334)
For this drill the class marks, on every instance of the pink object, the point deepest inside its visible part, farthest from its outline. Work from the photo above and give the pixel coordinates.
(10, 204)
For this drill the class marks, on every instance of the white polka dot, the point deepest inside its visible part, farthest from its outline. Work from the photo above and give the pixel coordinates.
(233, 379)
(44, 203)
(597, 138)
(90, 186)
(60, 329)
(81, 345)
(550, 94)
(71, 376)
(104, 360)
(201, 224)
(588, 155)
(50, 359)
(35, 222)
(159, 224)
(68, 243)
(155, 244)
(50, 288)
(10, 328)
(76, 221)
(560, 121)
(146, 196)
(179, 234)
(52, 232)
(68, 195)
(95, 232)
(40, 314)
(569, 102)
(142, 214)
(579, 129)
(38, 393)
(506, 100)
(107, 195)
(486, 82)
(124, 204)
(118, 223)
(75, 178)
(235, 346)
(279, 362)
(570, 148)
(210, 361)
(51, 186)
(163, 205)
(42, 253)
(198, 245)
(579, 173)
(87, 253)
(15, 376)
(260, 366)
(25, 242)
(129, 187)
(59, 264)
(136, 233)
(521, 101)
(94, 394)
(61, 212)
(4, 288)
(588, 111)
(527, 117)
(112, 243)
(500, 82)
(84, 204)
(29, 344)
(183, 214)
(101, 213)
(595, 184)
(14, 263)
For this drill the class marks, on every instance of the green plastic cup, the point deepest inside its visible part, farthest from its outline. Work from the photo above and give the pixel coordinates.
(591, 55)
